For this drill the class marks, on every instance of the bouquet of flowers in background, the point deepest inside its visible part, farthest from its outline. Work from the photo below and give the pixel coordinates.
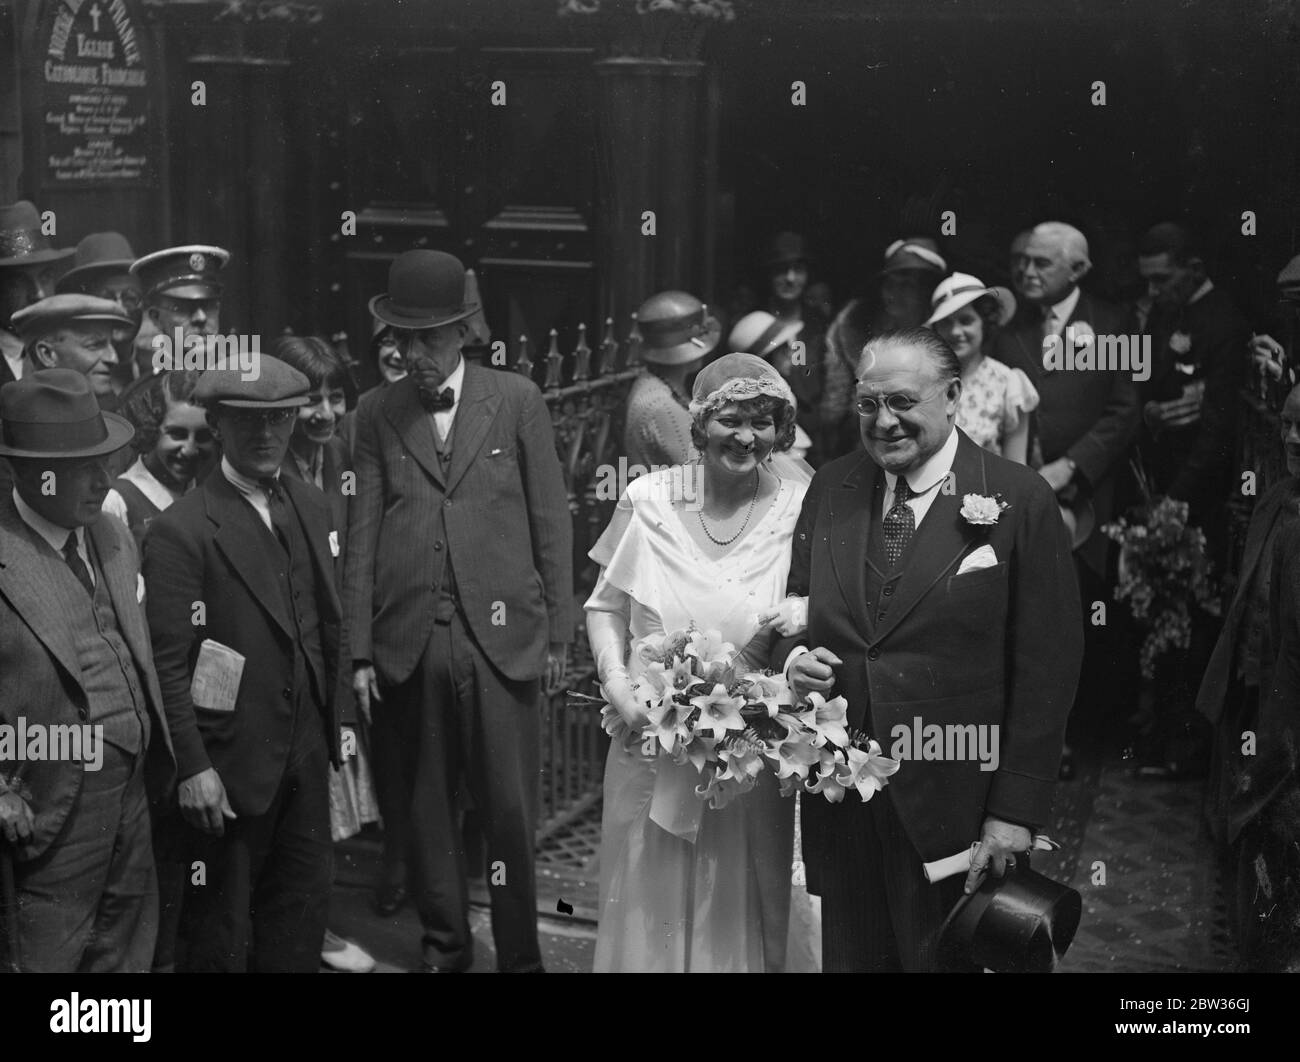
(1163, 573)
(706, 707)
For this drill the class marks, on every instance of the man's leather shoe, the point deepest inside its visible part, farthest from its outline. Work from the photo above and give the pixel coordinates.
(389, 899)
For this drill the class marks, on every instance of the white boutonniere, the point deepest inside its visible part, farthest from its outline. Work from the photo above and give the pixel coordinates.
(1180, 342)
(1081, 334)
(980, 510)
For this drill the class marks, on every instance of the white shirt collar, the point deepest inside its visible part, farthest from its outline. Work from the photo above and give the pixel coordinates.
(12, 348)
(932, 469)
(1202, 291)
(149, 485)
(251, 490)
(55, 535)
(1061, 311)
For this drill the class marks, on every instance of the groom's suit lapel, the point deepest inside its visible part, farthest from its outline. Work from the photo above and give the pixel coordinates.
(851, 506)
(940, 540)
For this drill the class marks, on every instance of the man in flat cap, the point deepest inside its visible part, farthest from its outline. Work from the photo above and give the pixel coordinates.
(458, 584)
(247, 690)
(74, 332)
(78, 677)
(102, 268)
(181, 287)
(28, 268)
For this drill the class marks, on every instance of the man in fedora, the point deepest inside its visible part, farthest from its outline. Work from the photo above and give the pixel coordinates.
(28, 267)
(677, 331)
(181, 288)
(102, 268)
(253, 749)
(75, 658)
(911, 270)
(458, 591)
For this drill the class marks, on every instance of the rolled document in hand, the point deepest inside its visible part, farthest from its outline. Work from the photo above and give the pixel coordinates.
(948, 866)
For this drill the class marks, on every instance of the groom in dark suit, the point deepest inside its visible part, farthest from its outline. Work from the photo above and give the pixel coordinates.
(925, 612)
(458, 591)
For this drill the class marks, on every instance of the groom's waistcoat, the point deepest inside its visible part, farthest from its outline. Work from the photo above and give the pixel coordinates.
(882, 579)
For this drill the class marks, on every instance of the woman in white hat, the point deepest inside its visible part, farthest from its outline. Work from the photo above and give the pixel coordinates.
(996, 400)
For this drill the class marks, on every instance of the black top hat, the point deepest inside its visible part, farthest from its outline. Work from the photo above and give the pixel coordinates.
(53, 413)
(1020, 923)
(425, 289)
(22, 243)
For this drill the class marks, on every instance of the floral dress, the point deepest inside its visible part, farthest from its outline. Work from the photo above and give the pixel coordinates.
(993, 401)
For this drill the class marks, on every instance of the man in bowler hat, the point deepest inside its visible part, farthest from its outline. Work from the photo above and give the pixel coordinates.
(249, 554)
(76, 660)
(457, 588)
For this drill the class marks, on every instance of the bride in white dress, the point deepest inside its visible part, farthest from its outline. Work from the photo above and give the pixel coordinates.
(684, 887)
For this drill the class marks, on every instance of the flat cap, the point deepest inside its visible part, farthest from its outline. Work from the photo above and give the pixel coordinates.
(54, 311)
(274, 385)
(188, 272)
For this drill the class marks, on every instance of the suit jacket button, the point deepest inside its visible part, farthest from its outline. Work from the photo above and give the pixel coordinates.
(437, 545)
(287, 692)
(889, 590)
(873, 654)
(446, 503)
(82, 712)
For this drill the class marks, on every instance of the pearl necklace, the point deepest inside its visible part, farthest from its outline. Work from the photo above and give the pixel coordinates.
(727, 542)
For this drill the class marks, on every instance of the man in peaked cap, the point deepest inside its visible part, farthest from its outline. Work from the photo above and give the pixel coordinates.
(253, 547)
(76, 660)
(102, 268)
(28, 267)
(458, 584)
(73, 332)
(181, 287)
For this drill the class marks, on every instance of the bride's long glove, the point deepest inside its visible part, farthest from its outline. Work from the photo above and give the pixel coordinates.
(607, 633)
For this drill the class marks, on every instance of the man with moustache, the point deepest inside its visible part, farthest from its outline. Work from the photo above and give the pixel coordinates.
(74, 653)
(182, 290)
(921, 605)
(458, 594)
(252, 547)
(102, 268)
(28, 266)
(1082, 430)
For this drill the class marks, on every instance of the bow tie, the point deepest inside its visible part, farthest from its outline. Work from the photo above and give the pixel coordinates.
(444, 399)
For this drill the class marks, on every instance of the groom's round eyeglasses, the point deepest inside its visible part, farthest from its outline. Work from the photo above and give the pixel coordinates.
(869, 407)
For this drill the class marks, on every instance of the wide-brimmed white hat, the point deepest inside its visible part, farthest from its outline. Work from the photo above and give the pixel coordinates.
(761, 333)
(961, 289)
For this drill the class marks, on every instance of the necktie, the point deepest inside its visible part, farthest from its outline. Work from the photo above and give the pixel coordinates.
(77, 565)
(276, 505)
(444, 399)
(899, 523)
(1049, 322)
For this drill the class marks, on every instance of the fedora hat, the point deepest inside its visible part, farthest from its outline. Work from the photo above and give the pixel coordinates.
(97, 254)
(53, 413)
(425, 289)
(914, 254)
(22, 243)
(1022, 922)
(961, 289)
(676, 328)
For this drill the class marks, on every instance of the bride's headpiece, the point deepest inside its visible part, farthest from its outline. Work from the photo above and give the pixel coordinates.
(736, 378)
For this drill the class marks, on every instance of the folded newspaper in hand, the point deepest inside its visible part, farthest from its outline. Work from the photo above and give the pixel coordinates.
(216, 677)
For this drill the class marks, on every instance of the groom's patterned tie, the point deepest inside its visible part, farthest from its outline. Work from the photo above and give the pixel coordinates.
(899, 523)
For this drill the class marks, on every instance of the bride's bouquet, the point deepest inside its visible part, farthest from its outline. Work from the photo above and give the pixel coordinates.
(705, 705)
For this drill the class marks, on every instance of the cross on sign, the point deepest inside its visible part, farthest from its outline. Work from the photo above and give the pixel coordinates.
(94, 17)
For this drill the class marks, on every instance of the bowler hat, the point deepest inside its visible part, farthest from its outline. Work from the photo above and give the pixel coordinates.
(186, 272)
(52, 312)
(914, 254)
(1022, 922)
(97, 254)
(22, 243)
(676, 328)
(426, 289)
(277, 385)
(53, 413)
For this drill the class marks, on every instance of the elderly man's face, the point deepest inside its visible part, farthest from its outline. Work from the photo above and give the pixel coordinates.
(68, 492)
(901, 441)
(86, 348)
(1043, 272)
(431, 354)
(1290, 430)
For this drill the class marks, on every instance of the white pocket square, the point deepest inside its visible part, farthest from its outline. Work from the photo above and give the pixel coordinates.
(984, 557)
(334, 543)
